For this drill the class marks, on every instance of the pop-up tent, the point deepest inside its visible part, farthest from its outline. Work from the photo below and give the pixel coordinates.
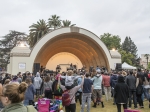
(127, 66)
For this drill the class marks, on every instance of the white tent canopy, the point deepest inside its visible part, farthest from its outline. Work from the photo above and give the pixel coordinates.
(127, 66)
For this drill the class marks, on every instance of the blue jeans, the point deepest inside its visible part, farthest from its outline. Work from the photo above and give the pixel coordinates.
(86, 97)
(147, 94)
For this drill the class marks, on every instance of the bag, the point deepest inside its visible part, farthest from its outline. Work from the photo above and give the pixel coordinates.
(139, 90)
(30, 108)
(43, 105)
(66, 98)
(129, 110)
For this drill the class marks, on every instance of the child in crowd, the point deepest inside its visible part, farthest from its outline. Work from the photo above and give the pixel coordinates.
(30, 92)
(69, 79)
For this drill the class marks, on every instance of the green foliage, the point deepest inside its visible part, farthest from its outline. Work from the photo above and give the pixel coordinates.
(37, 31)
(8, 42)
(42, 27)
(147, 57)
(148, 67)
(126, 57)
(129, 46)
(67, 23)
(54, 21)
(111, 41)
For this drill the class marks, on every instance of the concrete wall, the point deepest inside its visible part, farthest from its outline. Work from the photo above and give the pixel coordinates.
(16, 61)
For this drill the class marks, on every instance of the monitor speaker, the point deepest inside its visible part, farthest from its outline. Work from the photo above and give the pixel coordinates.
(118, 66)
(36, 68)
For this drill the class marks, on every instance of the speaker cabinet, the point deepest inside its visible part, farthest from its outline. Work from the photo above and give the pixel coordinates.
(36, 68)
(118, 66)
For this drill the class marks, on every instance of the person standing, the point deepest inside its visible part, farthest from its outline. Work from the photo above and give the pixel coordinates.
(87, 91)
(121, 93)
(147, 87)
(72, 106)
(48, 87)
(37, 83)
(131, 82)
(107, 88)
(97, 91)
(113, 82)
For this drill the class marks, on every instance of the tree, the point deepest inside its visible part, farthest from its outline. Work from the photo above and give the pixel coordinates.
(37, 31)
(7, 44)
(129, 46)
(67, 23)
(148, 67)
(147, 57)
(125, 57)
(111, 41)
(54, 22)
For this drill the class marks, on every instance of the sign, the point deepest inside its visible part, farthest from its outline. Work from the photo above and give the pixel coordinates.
(22, 65)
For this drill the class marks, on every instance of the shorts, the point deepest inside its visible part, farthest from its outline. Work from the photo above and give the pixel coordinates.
(97, 93)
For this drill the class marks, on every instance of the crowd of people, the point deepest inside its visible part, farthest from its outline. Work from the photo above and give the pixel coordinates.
(123, 87)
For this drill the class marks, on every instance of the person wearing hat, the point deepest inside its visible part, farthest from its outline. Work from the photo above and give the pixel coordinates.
(97, 85)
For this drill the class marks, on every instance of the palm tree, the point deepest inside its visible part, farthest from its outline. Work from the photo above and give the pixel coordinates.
(37, 31)
(67, 23)
(147, 57)
(54, 22)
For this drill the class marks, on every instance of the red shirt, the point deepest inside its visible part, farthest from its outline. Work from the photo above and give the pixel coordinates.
(106, 81)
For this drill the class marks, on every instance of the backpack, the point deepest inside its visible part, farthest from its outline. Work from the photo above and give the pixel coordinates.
(139, 90)
(66, 98)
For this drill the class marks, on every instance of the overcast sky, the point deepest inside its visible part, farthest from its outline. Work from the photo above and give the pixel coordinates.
(118, 17)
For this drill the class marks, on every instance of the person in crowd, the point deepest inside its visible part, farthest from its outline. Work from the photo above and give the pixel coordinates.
(107, 88)
(93, 72)
(87, 91)
(139, 90)
(7, 81)
(57, 91)
(113, 82)
(124, 74)
(6, 77)
(24, 76)
(72, 92)
(131, 82)
(48, 87)
(14, 79)
(69, 79)
(19, 79)
(121, 93)
(147, 86)
(30, 93)
(97, 92)
(79, 92)
(12, 96)
(37, 83)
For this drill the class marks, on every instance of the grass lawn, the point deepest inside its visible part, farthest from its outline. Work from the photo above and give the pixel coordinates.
(109, 107)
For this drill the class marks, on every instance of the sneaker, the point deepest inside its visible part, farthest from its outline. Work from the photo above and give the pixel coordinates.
(85, 105)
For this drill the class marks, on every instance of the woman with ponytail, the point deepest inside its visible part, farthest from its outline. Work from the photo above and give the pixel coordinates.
(12, 97)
